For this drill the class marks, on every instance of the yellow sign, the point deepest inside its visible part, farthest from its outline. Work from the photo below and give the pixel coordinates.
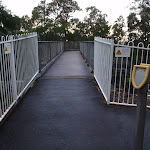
(7, 48)
(122, 52)
(139, 75)
(118, 52)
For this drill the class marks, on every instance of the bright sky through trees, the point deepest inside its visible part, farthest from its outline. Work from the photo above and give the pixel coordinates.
(113, 8)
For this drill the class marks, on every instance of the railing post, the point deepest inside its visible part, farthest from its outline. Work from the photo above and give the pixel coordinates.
(141, 115)
(13, 72)
(1, 93)
(110, 72)
(140, 79)
(37, 51)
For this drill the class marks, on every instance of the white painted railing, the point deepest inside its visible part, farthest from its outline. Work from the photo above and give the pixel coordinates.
(103, 58)
(113, 74)
(19, 66)
(122, 92)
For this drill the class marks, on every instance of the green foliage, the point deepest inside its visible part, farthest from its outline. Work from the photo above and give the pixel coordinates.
(26, 23)
(95, 23)
(117, 28)
(139, 22)
(62, 11)
(9, 24)
(38, 15)
(59, 23)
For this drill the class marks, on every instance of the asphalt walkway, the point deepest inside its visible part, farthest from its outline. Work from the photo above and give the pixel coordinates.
(64, 111)
(70, 64)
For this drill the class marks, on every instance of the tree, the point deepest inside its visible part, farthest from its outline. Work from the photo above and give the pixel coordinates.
(74, 31)
(61, 10)
(144, 24)
(139, 22)
(82, 31)
(38, 14)
(57, 14)
(9, 24)
(117, 28)
(37, 21)
(62, 27)
(95, 23)
(133, 26)
(26, 23)
(146, 2)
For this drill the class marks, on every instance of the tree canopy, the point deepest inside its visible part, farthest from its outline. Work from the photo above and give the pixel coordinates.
(139, 22)
(95, 23)
(61, 25)
(117, 28)
(9, 24)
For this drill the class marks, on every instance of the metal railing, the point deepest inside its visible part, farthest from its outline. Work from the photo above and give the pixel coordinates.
(113, 74)
(87, 51)
(103, 59)
(122, 91)
(48, 50)
(72, 46)
(19, 66)
(21, 56)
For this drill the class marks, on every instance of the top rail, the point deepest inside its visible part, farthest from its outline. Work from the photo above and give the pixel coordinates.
(17, 37)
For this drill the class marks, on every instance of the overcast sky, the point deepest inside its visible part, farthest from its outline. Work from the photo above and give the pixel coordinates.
(113, 8)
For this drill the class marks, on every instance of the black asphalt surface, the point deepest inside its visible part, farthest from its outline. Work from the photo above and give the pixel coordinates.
(68, 114)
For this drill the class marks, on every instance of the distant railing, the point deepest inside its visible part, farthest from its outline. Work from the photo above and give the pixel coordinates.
(19, 66)
(87, 51)
(48, 50)
(72, 46)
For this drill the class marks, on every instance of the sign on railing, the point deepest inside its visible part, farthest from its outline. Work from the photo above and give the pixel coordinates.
(122, 52)
(113, 65)
(19, 66)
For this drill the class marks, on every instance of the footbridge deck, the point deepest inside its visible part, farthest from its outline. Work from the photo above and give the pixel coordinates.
(64, 111)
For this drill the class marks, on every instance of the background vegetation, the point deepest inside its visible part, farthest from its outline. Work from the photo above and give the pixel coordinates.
(60, 24)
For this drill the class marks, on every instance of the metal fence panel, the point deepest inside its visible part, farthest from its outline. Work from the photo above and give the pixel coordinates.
(18, 68)
(103, 56)
(72, 46)
(87, 51)
(48, 50)
(122, 91)
(114, 79)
